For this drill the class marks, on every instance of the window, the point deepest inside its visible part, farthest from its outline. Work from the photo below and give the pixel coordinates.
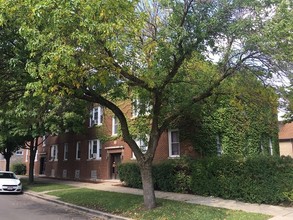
(174, 145)
(94, 149)
(6, 175)
(96, 116)
(140, 108)
(44, 140)
(65, 156)
(27, 155)
(142, 144)
(54, 153)
(219, 146)
(115, 125)
(135, 108)
(271, 147)
(36, 156)
(19, 152)
(77, 154)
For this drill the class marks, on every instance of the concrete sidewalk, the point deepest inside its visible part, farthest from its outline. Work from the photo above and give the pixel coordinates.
(278, 212)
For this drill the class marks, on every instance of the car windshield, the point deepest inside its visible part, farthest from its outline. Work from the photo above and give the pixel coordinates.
(7, 176)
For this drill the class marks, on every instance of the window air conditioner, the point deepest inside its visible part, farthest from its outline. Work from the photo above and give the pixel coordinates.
(94, 122)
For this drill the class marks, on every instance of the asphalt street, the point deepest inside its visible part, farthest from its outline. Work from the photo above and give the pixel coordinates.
(25, 207)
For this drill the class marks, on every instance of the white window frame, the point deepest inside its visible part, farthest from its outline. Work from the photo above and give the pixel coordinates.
(44, 141)
(115, 126)
(94, 151)
(271, 147)
(36, 156)
(19, 152)
(78, 151)
(136, 108)
(27, 155)
(142, 144)
(96, 116)
(219, 145)
(54, 152)
(171, 143)
(65, 152)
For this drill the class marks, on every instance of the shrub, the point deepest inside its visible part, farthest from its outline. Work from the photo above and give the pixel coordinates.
(163, 176)
(172, 176)
(19, 168)
(261, 179)
(129, 174)
(258, 179)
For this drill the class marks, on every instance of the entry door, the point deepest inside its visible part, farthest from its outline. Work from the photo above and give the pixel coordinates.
(115, 161)
(42, 165)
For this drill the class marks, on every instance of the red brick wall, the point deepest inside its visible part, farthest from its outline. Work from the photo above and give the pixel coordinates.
(111, 146)
(103, 166)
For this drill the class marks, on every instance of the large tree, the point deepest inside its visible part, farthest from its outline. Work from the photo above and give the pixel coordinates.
(168, 54)
(25, 113)
(279, 40)
(10, 141)
(39, 117)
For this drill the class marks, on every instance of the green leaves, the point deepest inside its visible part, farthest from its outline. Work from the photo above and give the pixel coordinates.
(243, 114)
(257, 179)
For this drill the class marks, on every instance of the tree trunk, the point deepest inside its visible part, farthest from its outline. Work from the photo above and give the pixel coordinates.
(32, 161)
(31, 167)
(7, 163)
(148, 186)
(7, 155)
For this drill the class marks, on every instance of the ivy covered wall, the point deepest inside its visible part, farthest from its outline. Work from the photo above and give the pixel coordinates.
(240, 119)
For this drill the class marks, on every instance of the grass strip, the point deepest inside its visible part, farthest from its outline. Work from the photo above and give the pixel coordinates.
(131, 206)
(43, 186)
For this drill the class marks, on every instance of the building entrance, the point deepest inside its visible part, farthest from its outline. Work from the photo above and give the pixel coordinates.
(115, 160)
(42, 165)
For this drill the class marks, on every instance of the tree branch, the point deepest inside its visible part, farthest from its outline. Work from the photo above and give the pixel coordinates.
(126, 75)
(93, 97)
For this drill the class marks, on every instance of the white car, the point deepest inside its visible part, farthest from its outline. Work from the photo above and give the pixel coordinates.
(9, 183)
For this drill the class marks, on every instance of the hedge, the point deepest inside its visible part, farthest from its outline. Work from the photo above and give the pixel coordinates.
(19, 168)
(171, 176)
(259, 179)
(129, 174)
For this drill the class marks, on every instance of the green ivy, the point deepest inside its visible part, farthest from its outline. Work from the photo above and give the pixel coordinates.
(242, 114)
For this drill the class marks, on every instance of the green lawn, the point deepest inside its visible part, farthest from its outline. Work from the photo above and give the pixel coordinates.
(43, 186)
(131, 206)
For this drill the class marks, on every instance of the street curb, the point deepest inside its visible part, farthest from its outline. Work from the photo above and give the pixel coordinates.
(99, 214)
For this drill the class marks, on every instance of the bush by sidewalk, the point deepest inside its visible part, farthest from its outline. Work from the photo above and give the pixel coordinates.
(169, 176)
(19, 168)
(259, 179)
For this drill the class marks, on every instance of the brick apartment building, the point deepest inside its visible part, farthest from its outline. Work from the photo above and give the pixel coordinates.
(94, 155)
(17, 157)
(286, 139)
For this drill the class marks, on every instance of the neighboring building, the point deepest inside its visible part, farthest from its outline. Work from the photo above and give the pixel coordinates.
(17, 157)
(96, 153)
(2, 162)
(40, 159)
(286, 139)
